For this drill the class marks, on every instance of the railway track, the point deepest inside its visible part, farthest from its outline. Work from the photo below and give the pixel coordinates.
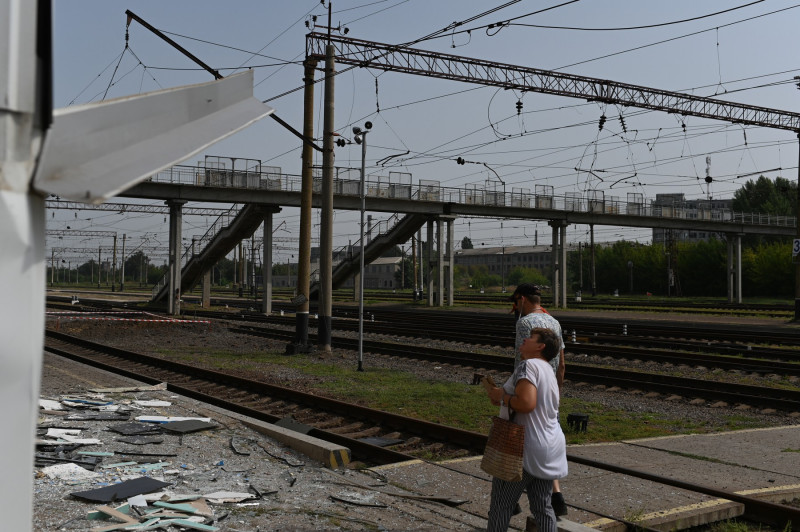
(335, 421)
(755, 396)
(270, 403)
(745, 358)
(493, 330)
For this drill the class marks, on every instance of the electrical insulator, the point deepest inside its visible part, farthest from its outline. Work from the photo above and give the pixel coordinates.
(460, 160)
(602, 122)
(709, 179)
(340, 142)
(622, 123)
(519, 106)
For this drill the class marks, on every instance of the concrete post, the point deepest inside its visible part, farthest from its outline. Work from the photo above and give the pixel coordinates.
(554, 261)
(122, 267)
(739, 268)
(304, 257)
(326, 223)
(205, 301)
(563, 265)
(421, 261)
(429, 247)
(450, 262)
(729, 269)
(440, 262)
(593, 277)
(266, 265)
(175, 227)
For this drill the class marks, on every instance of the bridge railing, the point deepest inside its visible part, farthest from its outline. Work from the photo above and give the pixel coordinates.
(398, 186)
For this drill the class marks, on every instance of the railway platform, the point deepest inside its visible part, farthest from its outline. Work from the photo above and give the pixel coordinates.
(762, 464)
(297, 491)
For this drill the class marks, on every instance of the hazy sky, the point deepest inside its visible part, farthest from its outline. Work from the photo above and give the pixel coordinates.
(744, 55)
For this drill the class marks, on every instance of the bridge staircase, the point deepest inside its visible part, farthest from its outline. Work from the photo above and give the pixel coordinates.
(225, 233)
(391, 232)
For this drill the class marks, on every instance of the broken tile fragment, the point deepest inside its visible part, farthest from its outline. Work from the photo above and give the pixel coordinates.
(120, 491)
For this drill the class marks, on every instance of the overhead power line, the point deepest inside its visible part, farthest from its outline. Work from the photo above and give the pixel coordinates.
(394, 58)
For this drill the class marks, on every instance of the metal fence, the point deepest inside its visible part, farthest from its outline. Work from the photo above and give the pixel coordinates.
(399, 186)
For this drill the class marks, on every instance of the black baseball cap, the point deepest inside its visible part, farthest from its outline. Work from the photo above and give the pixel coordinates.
(525, 289)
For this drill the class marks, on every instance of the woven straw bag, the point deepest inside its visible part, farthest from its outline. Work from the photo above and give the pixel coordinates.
(502, 457)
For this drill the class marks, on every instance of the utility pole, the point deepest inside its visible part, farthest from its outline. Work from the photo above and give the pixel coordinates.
(326, 226)
(122, 269)
(402, 267)
(52, 265)
(253, 287)
(241, 270)
(304, 255)
(99, 265)
(591, 243)
(414, 265)
(114, 265)
(797, 266)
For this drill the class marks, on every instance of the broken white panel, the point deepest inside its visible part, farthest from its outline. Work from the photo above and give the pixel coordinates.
(137, 500)
(95, 151)
(82, 441)
(152, 402)
(219, 497)
(170, 419)
(57, 433)
(161, 386)
(49, 404)
(68, 471)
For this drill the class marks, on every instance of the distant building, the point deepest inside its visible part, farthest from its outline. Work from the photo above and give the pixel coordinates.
(501, 260)
(379, 274)
(676, 205)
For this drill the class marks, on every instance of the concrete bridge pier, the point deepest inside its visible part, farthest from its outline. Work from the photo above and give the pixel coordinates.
(205, 285)
(431, 263)
(559, 262)
(440, 269)
(175, 227)
(450, 261)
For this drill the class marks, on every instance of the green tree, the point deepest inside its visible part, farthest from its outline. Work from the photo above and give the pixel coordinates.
(481, 278)
(701, 268)
(466, 243)
(768, 270)
(404, 276)
(134, 265)
(767, 197)
(521, 275)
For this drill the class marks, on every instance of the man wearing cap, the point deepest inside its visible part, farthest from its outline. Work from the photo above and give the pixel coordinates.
(527, 302)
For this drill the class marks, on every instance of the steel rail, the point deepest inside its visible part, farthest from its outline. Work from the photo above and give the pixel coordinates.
(759, 510)
(465, 439)
(778, 398)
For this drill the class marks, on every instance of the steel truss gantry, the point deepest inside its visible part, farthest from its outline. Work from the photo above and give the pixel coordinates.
(398, 58)
(123, 208)
(388, 57)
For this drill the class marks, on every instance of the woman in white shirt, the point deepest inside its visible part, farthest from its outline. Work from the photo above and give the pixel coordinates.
(532, 393)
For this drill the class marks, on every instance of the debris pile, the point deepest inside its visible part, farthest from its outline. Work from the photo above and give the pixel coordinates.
(124, 460)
